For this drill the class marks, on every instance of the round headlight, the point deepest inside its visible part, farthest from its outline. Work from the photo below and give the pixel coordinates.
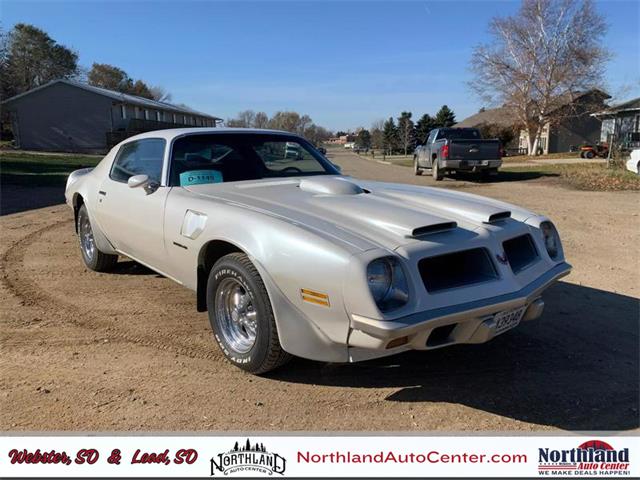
(379, 277)
(551, 239)
(387, 283)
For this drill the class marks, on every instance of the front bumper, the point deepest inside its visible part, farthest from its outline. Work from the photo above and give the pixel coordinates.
(471, 322)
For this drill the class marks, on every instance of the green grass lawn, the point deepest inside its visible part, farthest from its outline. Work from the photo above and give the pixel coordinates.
(33, 169)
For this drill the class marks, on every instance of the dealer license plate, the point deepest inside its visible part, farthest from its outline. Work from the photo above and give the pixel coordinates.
(507, 320)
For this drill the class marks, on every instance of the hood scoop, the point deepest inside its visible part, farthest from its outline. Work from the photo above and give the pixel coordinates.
(433, 228)
(329, 186)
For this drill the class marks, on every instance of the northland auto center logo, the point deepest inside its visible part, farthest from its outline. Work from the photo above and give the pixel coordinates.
(247, 460)
(594, 457)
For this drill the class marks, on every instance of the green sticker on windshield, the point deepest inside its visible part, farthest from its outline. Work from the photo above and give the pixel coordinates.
(198, 177)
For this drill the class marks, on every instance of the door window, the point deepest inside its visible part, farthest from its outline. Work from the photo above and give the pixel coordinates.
(142, 157)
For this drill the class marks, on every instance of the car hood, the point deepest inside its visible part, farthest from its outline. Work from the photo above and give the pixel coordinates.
(376, 214)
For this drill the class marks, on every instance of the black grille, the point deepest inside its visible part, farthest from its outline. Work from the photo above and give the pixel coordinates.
(520, 252)
(458, 269)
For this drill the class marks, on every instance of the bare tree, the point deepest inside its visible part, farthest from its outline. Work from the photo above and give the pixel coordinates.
(261, 120)
(540, 60)
(160, 94)
(406, 131)
(377, 134)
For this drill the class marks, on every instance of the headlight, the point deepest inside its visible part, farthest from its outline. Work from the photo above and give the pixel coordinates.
(551, 239)
(387, 283)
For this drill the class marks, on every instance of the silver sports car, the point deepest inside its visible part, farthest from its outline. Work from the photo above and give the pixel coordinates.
(289, 257)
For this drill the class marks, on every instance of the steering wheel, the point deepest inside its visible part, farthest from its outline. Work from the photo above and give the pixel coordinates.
(291, 169)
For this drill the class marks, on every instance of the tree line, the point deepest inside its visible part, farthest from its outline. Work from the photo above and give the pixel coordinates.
(284, 120)
(403, 136)
(29, 58)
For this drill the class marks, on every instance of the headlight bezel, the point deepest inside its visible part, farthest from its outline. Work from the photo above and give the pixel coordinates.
(393, 295)
(551, 240)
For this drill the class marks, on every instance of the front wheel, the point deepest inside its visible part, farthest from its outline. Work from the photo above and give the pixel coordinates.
(93, 258)
(416, 169)
(241, 316)
(590, 154)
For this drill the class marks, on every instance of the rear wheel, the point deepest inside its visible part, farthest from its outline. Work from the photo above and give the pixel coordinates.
(590, 154)
(241, 316)
(93, 258)
(416, 169)
(436, 172)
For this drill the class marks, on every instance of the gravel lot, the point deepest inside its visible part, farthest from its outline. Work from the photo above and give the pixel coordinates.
(126, 351)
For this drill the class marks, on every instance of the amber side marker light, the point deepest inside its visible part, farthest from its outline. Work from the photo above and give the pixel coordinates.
(396, 342)
(316, 298)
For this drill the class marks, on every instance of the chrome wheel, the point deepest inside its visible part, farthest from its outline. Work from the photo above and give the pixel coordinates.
(87, 243)
(236, 315)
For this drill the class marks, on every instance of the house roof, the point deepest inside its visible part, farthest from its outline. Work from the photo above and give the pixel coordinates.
(505, 117)
(628, 106)
(501, 116)
(117, 96)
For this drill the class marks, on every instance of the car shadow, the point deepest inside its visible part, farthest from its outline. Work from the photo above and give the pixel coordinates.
(130, 267)
(504, 176)
(576, 368)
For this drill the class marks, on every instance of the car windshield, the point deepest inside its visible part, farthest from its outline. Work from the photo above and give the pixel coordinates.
(459, 134)
(233, 157)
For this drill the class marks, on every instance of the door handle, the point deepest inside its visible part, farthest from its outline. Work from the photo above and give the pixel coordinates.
(102, 192)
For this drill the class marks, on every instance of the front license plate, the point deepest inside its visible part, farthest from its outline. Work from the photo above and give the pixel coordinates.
(507, 320)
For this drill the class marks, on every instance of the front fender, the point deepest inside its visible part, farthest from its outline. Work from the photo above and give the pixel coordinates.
(290, 257)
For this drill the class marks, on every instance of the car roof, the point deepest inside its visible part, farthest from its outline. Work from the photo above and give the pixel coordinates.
(171, 133)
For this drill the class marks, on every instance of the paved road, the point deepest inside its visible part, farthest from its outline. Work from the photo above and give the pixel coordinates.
(126, 351)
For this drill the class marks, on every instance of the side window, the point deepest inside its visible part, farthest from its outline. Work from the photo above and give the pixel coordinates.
(142, 157)
(431, 135)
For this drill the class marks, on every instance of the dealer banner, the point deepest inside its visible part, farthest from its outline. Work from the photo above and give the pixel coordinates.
(255, 455)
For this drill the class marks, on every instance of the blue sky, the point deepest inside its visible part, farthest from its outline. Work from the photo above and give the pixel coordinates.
(345, 64)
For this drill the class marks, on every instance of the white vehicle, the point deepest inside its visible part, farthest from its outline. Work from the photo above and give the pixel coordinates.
(289, 257)
(350, 145)
(633, 164)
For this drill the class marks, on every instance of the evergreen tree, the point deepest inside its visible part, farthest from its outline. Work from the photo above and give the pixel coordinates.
(363, 139)
(424, 126)
(390, 132)
(445, 117)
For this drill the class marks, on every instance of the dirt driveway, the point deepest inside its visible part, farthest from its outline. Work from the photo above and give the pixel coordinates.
(126, 351)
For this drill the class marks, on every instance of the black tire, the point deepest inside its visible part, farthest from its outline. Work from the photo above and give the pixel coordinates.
(590, 154)
(581, 154)
(416, 169)
(266, 353)
(93, 258)
(436, 172)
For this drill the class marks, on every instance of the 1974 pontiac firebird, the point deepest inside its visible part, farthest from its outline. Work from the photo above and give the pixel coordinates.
(289, 257)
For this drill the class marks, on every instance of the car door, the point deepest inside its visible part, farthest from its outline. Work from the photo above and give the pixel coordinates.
(427, 149)
(133, 218)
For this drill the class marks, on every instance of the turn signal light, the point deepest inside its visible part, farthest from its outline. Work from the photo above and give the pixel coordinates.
(396, 342)
(445, 151)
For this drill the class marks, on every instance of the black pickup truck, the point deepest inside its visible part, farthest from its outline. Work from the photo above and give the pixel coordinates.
(457, 149)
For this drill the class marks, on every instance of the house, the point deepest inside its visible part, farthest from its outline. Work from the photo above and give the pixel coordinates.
(576, 127)
(621, 124)
(75, 117)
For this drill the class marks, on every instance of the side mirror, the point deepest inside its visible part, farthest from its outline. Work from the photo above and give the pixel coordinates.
(149, 186)
(137, 181)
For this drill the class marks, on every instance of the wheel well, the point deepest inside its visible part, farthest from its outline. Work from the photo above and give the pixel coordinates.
(210, 253)
(78, 201)
(434, 156)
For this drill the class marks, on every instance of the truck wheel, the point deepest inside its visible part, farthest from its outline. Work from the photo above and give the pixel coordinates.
(93, 258)
(435, 171)
(590, 154)
(241, 316)
(416, 169)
